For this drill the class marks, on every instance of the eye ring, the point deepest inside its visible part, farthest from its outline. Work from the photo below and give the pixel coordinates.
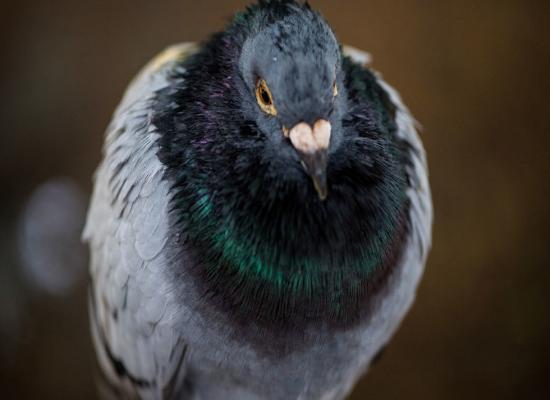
(265, 98)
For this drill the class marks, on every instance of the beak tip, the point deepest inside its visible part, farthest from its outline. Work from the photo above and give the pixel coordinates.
(321, 189)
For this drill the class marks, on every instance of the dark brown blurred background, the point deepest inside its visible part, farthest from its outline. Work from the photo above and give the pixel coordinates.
(475, 74)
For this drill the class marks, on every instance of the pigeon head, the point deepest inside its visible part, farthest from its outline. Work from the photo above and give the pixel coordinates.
(291, 72)
(288, 180)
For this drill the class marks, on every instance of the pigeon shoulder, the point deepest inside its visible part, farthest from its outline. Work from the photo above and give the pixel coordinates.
(421, 211)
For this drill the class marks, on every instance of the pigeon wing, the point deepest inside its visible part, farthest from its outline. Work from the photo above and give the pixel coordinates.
(140, 354)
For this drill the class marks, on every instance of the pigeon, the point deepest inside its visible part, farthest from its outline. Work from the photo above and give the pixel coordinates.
(260, 219)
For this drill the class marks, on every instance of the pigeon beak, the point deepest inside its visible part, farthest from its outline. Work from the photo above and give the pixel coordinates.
(312, 145)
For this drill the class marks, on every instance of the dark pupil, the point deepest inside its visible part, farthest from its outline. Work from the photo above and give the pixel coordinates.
(265, 96)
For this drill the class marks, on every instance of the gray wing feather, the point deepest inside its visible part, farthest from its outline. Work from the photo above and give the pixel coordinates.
(358, 56)
(138, 350)
(419, 191)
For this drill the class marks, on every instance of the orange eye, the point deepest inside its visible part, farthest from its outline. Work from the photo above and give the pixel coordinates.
(264, 97)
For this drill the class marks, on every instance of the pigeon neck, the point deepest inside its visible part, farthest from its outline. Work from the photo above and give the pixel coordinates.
(263, 244)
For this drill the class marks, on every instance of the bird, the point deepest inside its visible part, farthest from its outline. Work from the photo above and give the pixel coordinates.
(260, 218)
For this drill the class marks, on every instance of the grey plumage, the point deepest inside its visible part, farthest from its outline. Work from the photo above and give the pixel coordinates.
(151, 340)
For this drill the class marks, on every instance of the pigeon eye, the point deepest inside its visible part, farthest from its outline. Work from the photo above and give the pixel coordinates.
(264, 98)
